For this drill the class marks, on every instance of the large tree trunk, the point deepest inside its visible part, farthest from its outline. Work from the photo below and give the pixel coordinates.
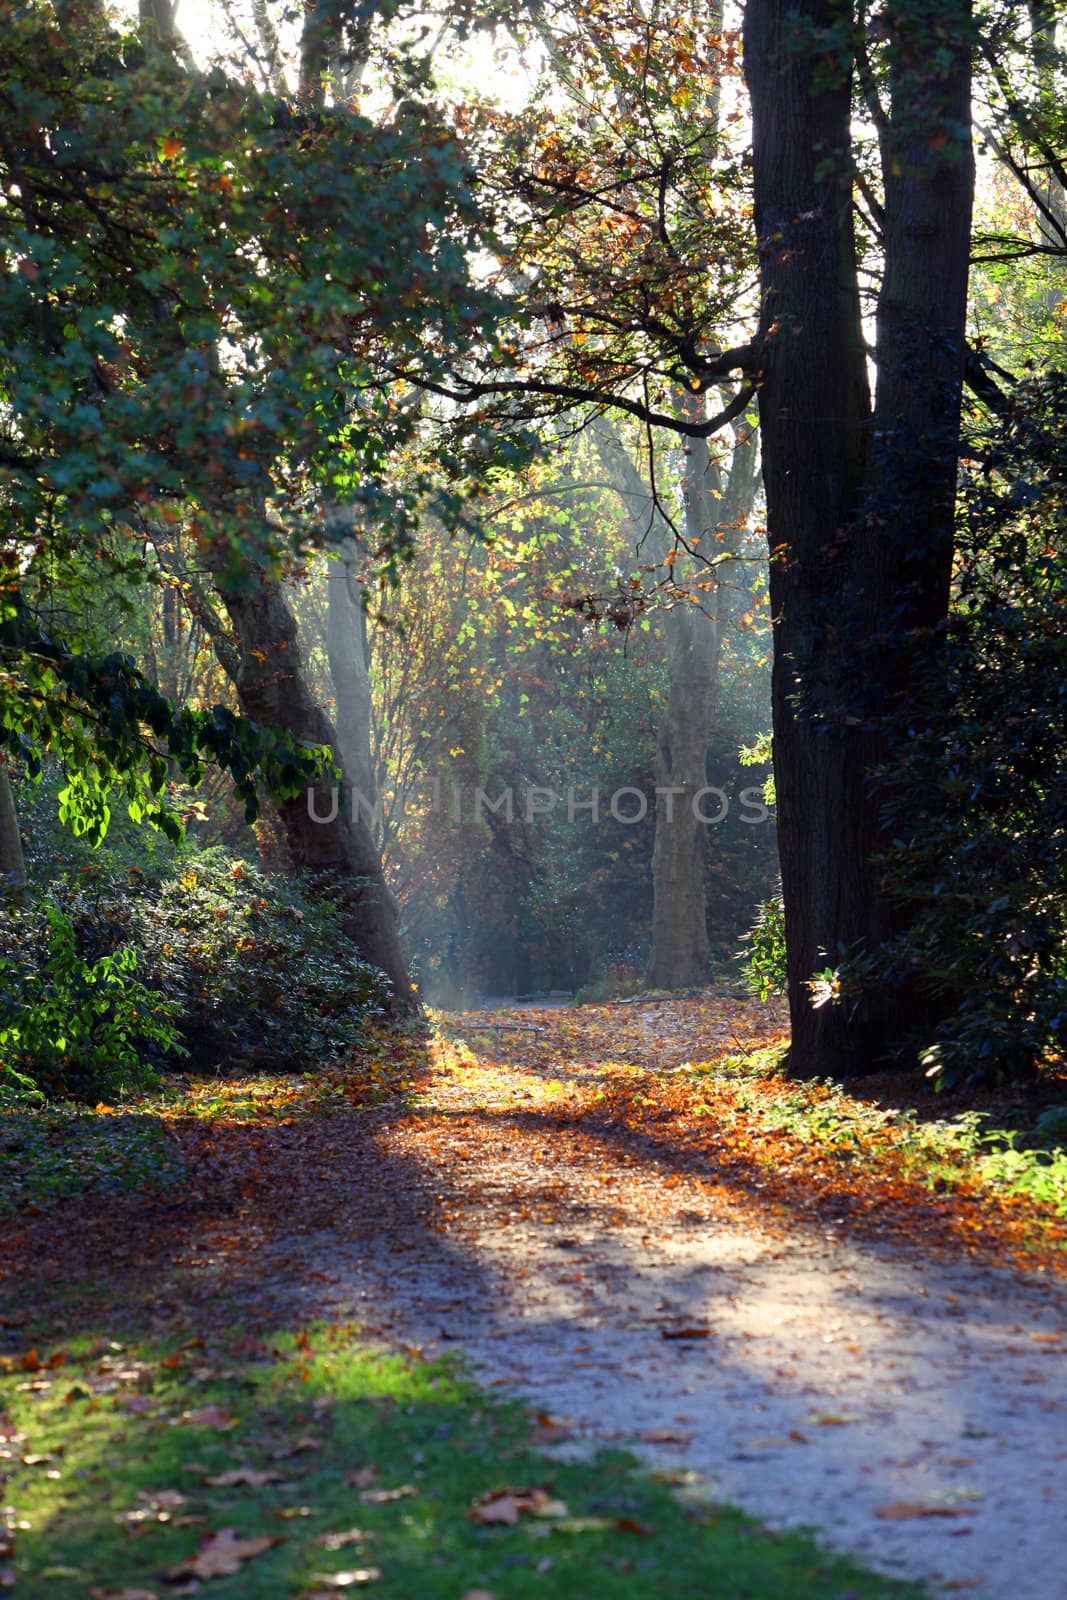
(330, 840)
(12, 860)
(859, 508)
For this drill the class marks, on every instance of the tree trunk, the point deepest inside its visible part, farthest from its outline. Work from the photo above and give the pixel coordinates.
(679, 958)
(859, 508)
(12, 860)
(346, 651)
(331, 841)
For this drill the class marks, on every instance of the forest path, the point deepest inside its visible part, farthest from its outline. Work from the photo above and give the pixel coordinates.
(816, 1353)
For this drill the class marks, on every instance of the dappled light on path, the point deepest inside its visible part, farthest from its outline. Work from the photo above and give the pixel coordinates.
(783, 1295)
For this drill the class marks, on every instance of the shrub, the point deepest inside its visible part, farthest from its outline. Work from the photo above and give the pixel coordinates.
(763, 950)
(976, 788)
(248, 970)
(74, 1029)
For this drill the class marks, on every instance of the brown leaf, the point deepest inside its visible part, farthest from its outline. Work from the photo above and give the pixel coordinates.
(246, 1476)
(685, 1333)
(900, 1510)
(382, 1497)
(306, 1442)
(360, 1477)
(505, 1506)
(222, 1554)
(338, 1541)
(500, 1508)
(123, 1594)
(208, 1417)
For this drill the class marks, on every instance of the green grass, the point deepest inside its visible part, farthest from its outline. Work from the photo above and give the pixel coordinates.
(108, 1487)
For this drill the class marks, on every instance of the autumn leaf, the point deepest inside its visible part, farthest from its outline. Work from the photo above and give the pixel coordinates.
(340, 1541)
(334, 1581)
(222, 1554)
(298, 1447)
(208, 1417)
(123, 1594)
(246, 1477)
(505, 1506)
(902, 1510)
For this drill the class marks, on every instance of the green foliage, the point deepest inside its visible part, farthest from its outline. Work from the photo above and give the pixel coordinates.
(77, 1029)
(116, 733)
(976, 790)
(254, 970)
(199, 331)
(763, 950)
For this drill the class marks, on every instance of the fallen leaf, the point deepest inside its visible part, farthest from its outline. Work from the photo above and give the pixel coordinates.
(247, 1477)
(123, 1594)
(222, 1554)
(360, 1477)
(338, 1541)
(581, 1524)
(685, 1333)
(901, 1510)
(382, 1497)
(307, 1442)
(505, 1506)
(138, 1405)
(345, 1580)
(208, 1417)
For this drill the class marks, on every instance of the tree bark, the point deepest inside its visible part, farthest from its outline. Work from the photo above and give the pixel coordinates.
(12, 860)
(346, 652)
(680, 945)
(859, 506)
(330, 841)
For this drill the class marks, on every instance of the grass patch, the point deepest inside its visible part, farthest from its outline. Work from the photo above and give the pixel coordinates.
(348, 1460)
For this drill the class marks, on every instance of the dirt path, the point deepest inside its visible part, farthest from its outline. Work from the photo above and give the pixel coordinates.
(913, 1410)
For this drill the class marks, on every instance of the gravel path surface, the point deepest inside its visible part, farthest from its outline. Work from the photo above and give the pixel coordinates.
(913, 1411)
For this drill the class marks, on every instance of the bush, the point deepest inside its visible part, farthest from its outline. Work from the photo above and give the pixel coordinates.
(75, 1030)
(976, 789)
(763, 950)
(248, 970)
